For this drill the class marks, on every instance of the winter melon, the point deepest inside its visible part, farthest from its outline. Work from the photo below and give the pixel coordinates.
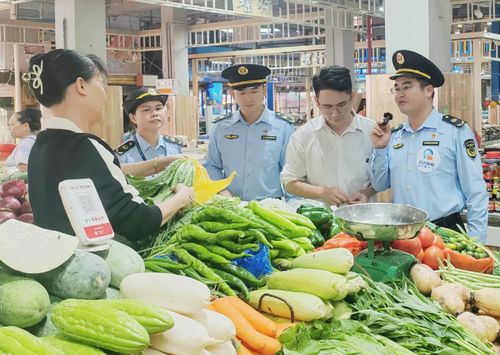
(112, 294)
(122, 261)
(23, 301)
(45, 327)
(84, 276)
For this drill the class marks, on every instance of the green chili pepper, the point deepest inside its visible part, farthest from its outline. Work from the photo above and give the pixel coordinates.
(167, 263)
(190, 272)
(215, 214)
(271, 217)
(273, 253)
(296, 218)
(304, 243)
(258, 236)
(204, 254)
(214, 227)
(299, 232)
(235, 282)
(203, 270)
(286, 244)
(259, 223)
(224, 252)
(156, 268)
(192, 232)
(247, 277)
(231, 235)
(237, 248)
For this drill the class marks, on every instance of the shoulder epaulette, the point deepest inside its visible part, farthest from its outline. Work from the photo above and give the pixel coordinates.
(174, 140)
(222, 117)
(284, 117)
(125, 147)
(397, 128)
(457, 122)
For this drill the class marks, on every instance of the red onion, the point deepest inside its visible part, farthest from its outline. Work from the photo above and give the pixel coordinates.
(26, 217)
(11, 188)
(11, 203)
(25, 207)
(6, 215)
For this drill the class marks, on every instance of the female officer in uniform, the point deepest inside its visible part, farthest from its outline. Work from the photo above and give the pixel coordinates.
(252, 141)
(431, 160)
(146, 110)
(72, 86)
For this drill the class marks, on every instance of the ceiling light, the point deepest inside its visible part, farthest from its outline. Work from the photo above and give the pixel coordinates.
(459, 25)
(488, 23)
(478, 13)
(381, 8)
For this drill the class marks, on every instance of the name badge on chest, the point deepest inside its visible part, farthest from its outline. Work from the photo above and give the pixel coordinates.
(428, 159)
(268, 138)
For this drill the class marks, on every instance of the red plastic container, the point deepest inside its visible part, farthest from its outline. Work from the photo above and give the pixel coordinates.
(5, 150)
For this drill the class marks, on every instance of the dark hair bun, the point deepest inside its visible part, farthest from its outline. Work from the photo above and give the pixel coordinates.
(50, 74)
(32, 117)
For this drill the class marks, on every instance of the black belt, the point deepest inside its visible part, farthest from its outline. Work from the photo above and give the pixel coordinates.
(451, 221)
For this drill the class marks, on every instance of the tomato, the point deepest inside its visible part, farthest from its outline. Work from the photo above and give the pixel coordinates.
(411, 246)
(438, 242)
(432, 255)
(426, 237)
(420, 255)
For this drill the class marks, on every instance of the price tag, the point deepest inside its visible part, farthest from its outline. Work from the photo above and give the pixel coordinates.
(85, 211)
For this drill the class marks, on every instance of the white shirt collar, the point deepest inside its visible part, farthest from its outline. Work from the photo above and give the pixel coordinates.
(321, 124)
(62, 123)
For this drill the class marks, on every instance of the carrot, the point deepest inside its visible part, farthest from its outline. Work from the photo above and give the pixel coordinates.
(210, 307)
(252, 352)
(261, 323)
(244, 330)
(244, 351)
(281, 327)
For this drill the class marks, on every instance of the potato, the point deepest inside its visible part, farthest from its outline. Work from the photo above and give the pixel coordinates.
(448, 299)
(492, 327)
(424, 278)
(475, 325)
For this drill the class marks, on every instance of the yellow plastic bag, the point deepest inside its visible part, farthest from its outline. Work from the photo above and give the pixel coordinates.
(204, 187)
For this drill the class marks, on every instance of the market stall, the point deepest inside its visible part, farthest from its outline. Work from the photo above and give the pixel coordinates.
(226, 276)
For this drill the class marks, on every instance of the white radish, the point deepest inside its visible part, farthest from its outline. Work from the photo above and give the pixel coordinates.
(226, 348)
(218, 325)
(176, 293)
(187, 337)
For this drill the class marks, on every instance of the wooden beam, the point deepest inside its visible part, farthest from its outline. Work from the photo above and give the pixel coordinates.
(255, 52)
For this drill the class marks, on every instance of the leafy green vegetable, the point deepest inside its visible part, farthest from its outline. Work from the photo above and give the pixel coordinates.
(339, 337)
(401, 313)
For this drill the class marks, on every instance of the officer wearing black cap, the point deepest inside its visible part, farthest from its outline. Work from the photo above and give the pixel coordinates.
(147, 112)
(430, 161)
(252, 141)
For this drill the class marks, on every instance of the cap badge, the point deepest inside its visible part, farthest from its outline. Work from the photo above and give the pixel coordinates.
(243, 70)
(400, 58)
(152, 91)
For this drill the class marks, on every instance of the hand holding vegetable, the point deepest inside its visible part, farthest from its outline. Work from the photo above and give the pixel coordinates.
(186, 194)
(358, 197)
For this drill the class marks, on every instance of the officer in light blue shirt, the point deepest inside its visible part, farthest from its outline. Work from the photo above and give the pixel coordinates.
(430, 161)
(252, 141)
(146, 110)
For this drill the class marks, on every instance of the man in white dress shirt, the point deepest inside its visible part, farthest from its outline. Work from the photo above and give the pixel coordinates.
(327, 158)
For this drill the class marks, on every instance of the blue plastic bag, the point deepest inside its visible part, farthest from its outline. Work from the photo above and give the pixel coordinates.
(259, 263)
